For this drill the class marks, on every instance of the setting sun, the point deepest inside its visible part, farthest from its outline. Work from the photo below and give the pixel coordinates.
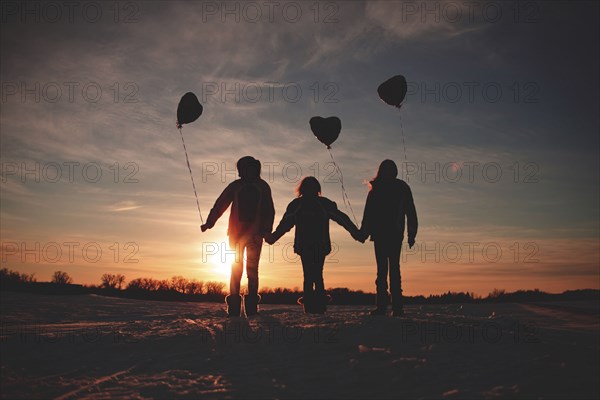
(221, 266)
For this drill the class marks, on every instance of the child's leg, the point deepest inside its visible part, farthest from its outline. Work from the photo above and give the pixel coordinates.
(381, 257)
(312, 265)
(395, 280)
(237, 268)
(253, 250)
(318, 272)
(307, 268)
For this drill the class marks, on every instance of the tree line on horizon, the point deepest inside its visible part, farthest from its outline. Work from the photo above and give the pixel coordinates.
(179, 288)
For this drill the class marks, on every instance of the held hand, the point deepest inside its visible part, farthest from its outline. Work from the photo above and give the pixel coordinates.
(269, 238)
(365, 236)
(362, 236)
(358, 236)
(203, 228)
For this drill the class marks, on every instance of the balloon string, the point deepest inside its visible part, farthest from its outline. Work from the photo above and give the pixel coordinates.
(403, 145)
(345, 197)
(191, 176)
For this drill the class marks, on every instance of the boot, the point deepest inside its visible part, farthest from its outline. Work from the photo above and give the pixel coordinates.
(321, 301)
(382, 304)
(234, 305)
(314, 303)
(306, 302)
(398, 311)
(251, 304)
(379, 311)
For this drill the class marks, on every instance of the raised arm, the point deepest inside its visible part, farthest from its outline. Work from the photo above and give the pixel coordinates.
(219, 207)
(342, 219)
(367, 221)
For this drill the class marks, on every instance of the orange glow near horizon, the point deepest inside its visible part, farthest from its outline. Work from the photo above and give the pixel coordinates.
(169, 243)
(352, 266)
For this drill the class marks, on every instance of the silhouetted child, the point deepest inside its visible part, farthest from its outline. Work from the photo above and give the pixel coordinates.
(310, 214)
(389, 203)
(251, 218)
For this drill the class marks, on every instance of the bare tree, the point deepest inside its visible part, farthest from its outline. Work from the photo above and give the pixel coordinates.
(61, 278)
(151, 284)
(108, 281)
(179, 284)
(215, 287)
(136, 284)
(195, 287)
(497, 293)
(120, 281)
(112, 281)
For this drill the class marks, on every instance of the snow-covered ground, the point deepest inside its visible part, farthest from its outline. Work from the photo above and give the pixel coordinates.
(98, 347)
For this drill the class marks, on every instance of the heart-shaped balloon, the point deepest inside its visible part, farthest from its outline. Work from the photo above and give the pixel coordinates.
(189, 109)
(393, 91)
(326, 130)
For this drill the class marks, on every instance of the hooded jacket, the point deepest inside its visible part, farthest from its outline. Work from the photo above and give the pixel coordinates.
(252, 210)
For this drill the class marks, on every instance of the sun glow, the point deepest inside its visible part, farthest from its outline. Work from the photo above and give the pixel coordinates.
(221, 266)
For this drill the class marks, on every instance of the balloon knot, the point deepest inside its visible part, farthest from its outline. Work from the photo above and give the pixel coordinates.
(328, 147)
(178, 125)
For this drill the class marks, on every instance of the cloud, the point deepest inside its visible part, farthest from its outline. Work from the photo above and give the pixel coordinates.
(412, 20)
(126, 205)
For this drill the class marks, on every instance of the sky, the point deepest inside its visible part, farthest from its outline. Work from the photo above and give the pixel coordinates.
(500, 127)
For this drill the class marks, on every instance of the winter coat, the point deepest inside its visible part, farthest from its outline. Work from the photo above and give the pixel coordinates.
(389, 205)
(252, 210)
(310, 215)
